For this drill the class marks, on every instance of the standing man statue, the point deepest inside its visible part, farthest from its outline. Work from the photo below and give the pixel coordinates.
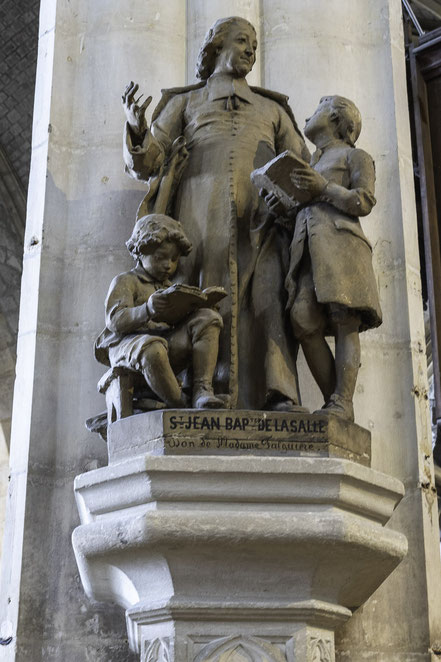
(204, 142)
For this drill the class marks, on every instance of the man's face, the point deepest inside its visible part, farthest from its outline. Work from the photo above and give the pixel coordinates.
(238, 53)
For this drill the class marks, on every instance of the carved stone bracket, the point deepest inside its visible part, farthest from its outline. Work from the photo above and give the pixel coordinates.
(226, 559)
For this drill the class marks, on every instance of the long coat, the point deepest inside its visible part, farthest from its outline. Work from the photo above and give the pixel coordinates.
(341, 255)
(231, 129)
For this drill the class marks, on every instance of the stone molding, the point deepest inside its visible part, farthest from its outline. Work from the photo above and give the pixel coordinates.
(129, 486)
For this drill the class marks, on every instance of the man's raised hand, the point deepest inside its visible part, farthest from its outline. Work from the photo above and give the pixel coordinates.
(135, 114)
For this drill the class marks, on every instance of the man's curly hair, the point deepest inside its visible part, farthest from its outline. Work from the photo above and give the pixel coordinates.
(213, 42)
(152, 230)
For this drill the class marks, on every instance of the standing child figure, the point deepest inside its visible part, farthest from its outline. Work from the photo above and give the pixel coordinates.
(136, 336)
(331, 283)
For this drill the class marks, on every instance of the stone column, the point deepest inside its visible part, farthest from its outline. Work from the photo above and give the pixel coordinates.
(81, 209)
(356, 49)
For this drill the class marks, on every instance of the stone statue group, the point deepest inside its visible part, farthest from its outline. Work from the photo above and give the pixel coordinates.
(230, 279)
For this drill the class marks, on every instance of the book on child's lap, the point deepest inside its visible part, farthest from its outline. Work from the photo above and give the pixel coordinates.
(184, 299)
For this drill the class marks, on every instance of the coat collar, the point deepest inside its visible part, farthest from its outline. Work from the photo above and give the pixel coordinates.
(281, 99)
(223, 86)
(144, 277)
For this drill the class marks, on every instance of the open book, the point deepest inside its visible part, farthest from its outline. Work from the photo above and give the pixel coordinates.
(184, 299)
(275, 177)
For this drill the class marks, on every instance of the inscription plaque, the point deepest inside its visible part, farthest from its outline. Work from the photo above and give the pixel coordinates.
(235, 432)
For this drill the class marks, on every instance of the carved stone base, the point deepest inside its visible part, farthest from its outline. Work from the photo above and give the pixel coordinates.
(301, 643)
(239, 432)
(209, 630)
(235, 558)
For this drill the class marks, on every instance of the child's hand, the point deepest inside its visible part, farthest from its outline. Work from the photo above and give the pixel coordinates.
(157, 304)
(309, 180)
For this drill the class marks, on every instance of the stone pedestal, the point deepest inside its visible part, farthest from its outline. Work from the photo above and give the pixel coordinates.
(262, 555)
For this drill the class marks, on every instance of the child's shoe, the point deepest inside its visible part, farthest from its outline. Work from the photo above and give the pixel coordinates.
(338, 406)
(204, 397)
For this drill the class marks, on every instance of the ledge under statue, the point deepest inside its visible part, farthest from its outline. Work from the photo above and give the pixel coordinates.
(246, 248)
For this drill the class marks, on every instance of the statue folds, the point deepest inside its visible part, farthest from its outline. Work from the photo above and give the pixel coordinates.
(252, 289)
(204, 142)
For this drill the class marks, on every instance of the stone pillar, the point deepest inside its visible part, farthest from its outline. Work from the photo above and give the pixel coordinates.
(356, 49)
(81, 209)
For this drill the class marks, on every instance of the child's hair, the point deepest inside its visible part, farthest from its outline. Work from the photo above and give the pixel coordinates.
(213, 42)
(349, 119)
(152, 230)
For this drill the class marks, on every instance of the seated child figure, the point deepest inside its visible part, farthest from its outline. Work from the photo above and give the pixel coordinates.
(135, 338)
(331, 283)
